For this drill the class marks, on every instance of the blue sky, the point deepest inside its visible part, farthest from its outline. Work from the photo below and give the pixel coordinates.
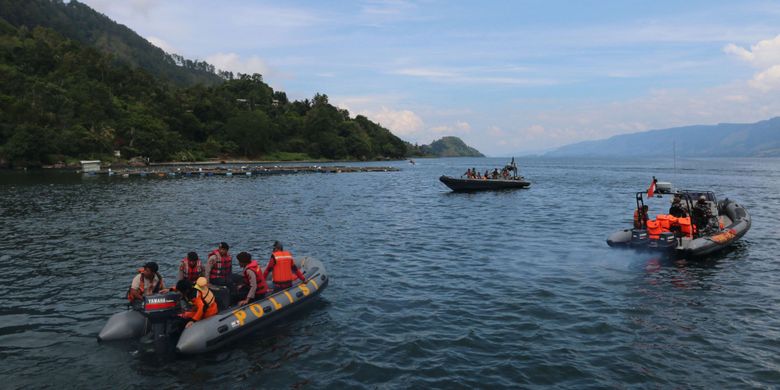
(508, 77)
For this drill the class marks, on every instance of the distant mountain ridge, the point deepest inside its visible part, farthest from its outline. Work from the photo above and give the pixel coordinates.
(760, 139)
(450, 147)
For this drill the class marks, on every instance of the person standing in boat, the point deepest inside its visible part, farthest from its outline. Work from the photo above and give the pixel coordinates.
(147, 282)
(702, 215)
(190, 268)
(255, 286)
(219, 266)
(640, 218)
(677, 209)
(283, 267)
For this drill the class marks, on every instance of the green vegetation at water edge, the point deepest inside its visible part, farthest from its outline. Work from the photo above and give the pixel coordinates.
(61, 100)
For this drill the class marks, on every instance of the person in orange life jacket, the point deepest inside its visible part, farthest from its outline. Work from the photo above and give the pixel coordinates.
(640, 218)
(282, 265)
(190, 268)
(219, 266)
(255, 286)
(147, 282)
(203, 303)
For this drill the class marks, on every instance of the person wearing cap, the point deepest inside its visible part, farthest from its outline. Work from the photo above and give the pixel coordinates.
(219, 266)
(677, 209)
(190, 268)
(283, 267)
(255, 286)
(204, 305)
(147, 282)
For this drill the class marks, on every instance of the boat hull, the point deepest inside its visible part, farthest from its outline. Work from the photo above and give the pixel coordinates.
(464, 185)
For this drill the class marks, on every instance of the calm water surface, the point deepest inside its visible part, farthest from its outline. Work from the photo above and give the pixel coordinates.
(429, 289)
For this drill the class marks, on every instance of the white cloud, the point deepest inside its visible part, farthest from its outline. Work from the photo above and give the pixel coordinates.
(766, 80)
(763, 54)
(400, 122)
(475, 75)
(234, 63)
(162, 45)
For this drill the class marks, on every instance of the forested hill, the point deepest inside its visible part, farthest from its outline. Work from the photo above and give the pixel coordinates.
(449, 147)
(79, 22)
(62, 101)
(761, 139)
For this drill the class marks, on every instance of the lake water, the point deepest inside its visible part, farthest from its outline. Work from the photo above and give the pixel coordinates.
(429, 289)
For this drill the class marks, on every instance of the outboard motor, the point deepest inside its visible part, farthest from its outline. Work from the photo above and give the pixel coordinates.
(666, 240)
(162, 310)
(639, 238)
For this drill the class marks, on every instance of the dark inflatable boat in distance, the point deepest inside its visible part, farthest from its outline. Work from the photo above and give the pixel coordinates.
(508, 179)
(464, 185)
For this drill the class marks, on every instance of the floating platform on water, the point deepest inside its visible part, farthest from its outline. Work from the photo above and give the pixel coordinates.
(235, 171)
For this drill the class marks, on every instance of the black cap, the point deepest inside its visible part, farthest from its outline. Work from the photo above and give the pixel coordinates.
(224, 245)
(192, 256)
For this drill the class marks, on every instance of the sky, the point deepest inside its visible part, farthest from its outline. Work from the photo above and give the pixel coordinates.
(508, 77)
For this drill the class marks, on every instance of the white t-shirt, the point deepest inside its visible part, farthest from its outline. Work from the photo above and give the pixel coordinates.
(148, 284)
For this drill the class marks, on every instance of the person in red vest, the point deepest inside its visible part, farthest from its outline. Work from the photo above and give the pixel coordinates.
(190, 268)
(282, 265)
(254, 287)
(219, 266)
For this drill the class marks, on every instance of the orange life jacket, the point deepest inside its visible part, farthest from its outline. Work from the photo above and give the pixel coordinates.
(205, 307)
(191, 273)
(638, 223)
(685, 226)
(654, 229)
(223, 267)
(262, 286)
(663, 220)
(283, 262)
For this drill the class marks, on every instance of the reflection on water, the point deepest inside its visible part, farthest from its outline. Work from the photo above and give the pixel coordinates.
(428, 288)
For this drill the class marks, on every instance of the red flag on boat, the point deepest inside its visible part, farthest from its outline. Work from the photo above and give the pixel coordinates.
(651, 189)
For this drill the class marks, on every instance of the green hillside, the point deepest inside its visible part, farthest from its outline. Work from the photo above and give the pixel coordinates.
(447, 147)
(61, 100)
(81, 23)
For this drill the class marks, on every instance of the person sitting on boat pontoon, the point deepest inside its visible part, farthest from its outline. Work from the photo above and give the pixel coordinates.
(147, 282)
(282, 266)
(467, 174)
(495, 173)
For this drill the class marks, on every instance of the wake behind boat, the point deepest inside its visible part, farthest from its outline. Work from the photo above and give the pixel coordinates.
(697, 223)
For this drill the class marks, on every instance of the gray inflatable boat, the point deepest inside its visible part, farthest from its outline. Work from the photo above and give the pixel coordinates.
(730, 221)
(155, 318)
